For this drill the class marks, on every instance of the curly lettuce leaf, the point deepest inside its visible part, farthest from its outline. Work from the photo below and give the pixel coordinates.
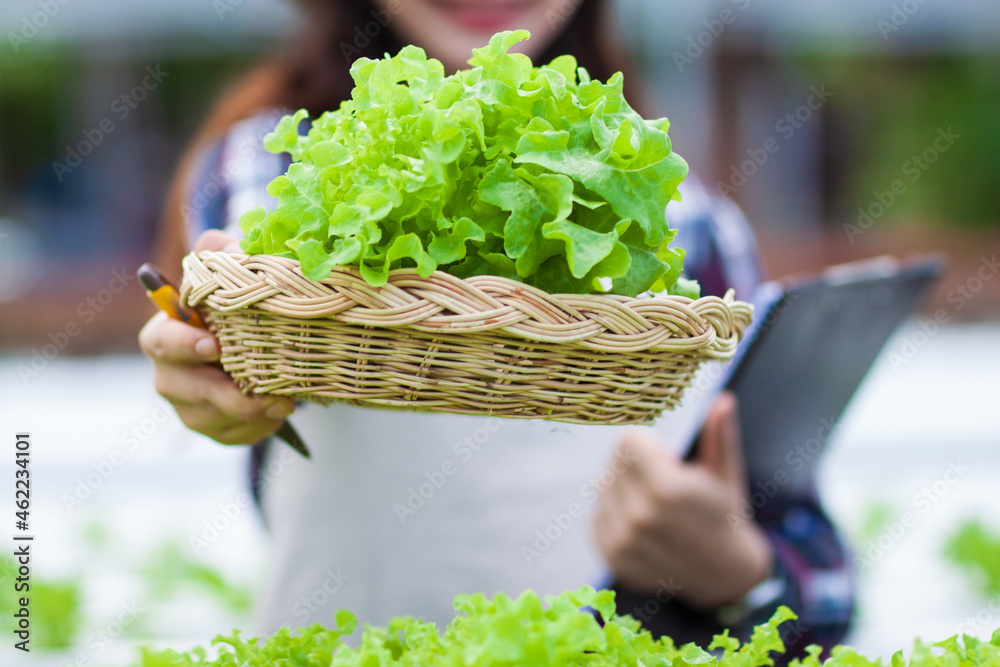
(538, 174)
(573, 629)
(975, 549)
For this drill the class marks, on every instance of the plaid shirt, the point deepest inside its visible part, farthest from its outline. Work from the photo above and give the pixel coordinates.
(812, 572)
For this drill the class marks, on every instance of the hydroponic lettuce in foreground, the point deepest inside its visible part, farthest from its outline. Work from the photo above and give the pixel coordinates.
(539, 174)
(527, 632)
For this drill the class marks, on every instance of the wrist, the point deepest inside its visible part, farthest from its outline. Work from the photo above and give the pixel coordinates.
(729, 583)
(763, 558)
(768, 587)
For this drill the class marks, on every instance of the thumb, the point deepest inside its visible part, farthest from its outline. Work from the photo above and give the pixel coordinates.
(216, 239)
(721, 446)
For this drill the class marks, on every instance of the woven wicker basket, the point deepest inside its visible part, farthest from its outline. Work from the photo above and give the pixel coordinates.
(482, 345)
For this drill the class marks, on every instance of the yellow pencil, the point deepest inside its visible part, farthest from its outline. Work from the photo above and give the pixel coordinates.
(165, 296)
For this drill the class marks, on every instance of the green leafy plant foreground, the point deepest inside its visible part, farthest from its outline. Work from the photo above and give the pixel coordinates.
(527, 631)
(539, 174)
(55, 606)
(975, 549)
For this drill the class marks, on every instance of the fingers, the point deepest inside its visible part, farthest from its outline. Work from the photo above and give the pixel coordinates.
(208, 421)
(247, 434)
(649, 460)
(607, 527)
(610, 518)
(216, 239)
(721, 446)
(166, 340)
(644, 474)
(205, 397)
(209, 389)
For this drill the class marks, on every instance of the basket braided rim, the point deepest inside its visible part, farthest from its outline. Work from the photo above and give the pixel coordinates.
(444, 304)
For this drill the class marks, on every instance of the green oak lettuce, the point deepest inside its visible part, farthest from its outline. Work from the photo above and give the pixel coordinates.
(498, 632)
(530, 632)
(538, 174)
(975, 549)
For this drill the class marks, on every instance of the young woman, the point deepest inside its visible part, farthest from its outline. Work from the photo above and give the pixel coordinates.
(400, 511)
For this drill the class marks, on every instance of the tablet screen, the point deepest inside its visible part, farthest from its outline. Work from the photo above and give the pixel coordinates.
(800, 371)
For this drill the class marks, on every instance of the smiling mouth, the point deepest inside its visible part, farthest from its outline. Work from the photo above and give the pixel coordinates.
(483, 16)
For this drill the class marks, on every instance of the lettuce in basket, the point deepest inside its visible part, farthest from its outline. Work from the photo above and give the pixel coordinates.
(538, 174)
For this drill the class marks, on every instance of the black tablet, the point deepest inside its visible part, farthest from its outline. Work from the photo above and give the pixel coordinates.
(813, 342)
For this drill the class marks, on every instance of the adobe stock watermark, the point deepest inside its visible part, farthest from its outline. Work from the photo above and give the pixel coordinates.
(99, 641)
(792, 632)
(212, 529)
(130, 440)
(785, 128)
(898, 17)
(984, 622)
(924, 500)
(121, 108)
(435, 479)
(276, 465)
(87, 310)
(562, 522)
(308, 605)
(912, 170)
(230, 513)
(699, 43)
(563, 13)
(763, 491)
(223, 7)
(32, 24)
(652, 606)
(927, 328)
(363, 35)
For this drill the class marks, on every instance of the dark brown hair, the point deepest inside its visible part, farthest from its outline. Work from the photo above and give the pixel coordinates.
(314, 74)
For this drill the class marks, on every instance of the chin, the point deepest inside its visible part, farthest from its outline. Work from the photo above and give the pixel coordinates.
(461, 42)
(456, 55)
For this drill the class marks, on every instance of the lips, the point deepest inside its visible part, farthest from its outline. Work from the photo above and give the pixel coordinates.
(488, 17)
